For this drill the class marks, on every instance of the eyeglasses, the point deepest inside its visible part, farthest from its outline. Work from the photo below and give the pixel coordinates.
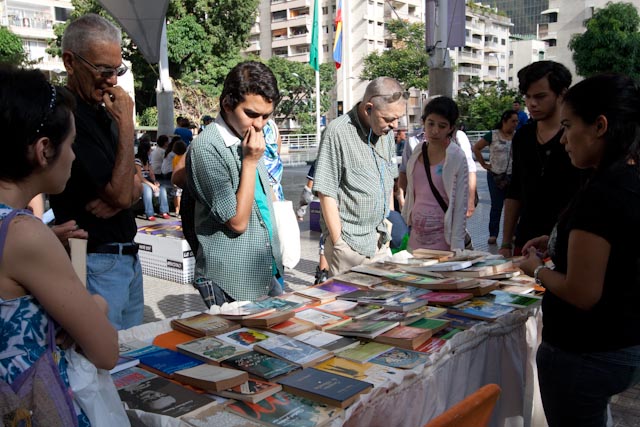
(393, 97)
(105, 72)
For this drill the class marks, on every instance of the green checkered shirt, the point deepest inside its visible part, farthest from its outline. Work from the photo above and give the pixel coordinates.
(241, 264)
(359, 176)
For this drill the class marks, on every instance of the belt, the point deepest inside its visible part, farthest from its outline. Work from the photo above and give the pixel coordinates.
(117, 249)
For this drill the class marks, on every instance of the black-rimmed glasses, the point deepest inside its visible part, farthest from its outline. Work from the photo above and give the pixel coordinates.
(105, 72)
(393, 97)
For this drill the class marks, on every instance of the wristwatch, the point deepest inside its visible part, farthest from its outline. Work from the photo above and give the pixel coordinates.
(536, 272)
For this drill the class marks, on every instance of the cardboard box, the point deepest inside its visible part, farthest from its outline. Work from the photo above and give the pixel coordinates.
(314, 216)
(164, 253)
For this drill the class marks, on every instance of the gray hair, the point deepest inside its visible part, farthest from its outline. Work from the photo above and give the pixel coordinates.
(379, 91)
(87, 30)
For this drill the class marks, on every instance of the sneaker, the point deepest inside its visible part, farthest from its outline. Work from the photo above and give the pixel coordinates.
(166, 216)
(321, 275)
(151, 218)
(492, 240)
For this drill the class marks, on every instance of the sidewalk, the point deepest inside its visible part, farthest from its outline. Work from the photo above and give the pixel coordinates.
(165, 299)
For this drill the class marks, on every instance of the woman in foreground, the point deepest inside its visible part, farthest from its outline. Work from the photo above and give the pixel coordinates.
(37, 282)
(590, 347)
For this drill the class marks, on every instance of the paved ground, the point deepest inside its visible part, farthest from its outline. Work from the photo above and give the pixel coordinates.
(165, 299)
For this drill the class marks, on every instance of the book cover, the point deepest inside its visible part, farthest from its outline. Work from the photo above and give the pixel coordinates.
(204, 324)
(138, 352)
(337, 306)
(514, 300)
(430, 311)
(401, 358)
(291, 327)
(359, 279)
(252, 391)
(370, 296)
(403, 318)
(161, 396)
(321, 319)
(327, 341)
(299, 299)
(165, 362)
(210, 350)
(267, 320)
(434, 325)
(325, 387)
(433, 254)
(317, 294)
(367, 371)
(286, 410)
(433, 345)
(131, 376)
(405, 303)
(363, 328)
(126, 347)
(364, 352)
(337, 287)
(460, 322)
(487, 267)
(447, 298)
(481, 308)
(447, 333)
(211, 378)
(482, 287)
(245, 337)
(279, 304)
(171, 339)
(405, 337)
(260, 365)
(292, 350)
(445, 266)
(244, 311)
(363, 311)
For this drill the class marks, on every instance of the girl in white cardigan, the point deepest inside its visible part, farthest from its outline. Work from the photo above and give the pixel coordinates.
(437, 224)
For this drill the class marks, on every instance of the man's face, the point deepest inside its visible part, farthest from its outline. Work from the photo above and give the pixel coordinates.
(254, 112)
(541, 101)
(384, 119)
(516, 106)
(84, 80)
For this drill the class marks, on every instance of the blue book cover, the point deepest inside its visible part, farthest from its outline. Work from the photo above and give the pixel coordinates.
(166, 362)
(401, 358)
(325, 387)
(137, 353)
(460, 322)
(260, 365)
(292, 350)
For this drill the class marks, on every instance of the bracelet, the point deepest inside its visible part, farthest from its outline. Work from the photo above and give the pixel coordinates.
(537, 271)
(506, 246)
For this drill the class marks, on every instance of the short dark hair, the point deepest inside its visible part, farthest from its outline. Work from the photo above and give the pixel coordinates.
(617, 97)
(558, 75)
(30, 108)
(443, 106)
(179, 147)
(249, 78)
(162, 140)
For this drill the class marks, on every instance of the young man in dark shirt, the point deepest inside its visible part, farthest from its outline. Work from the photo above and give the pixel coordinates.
(543, 179)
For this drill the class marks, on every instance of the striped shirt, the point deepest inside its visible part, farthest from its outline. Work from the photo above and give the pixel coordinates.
(359, 176)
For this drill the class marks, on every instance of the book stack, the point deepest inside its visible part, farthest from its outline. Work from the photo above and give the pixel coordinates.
(363, 328)
(204, 324)
(292, 350)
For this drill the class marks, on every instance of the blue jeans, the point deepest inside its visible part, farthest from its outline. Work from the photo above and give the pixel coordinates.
(576, 387)
(497, 201)
(118, 279)
(147, 198)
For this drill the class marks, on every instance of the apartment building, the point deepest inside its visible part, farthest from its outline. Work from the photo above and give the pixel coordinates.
(33, 22)
(565, 19)
(525, 14)
(522, 53)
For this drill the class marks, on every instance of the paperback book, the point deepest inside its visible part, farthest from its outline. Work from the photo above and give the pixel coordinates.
(433, 345)
(364, 352)
(131, 376)
(447, 333)
(279, 304)
(210, 350)
(337, 287)
(211, 378)
(252, 391)
(245, 311)
(401, 358)
(482, 308)
(363, 328)
(405, 337)
(291, 327)
(260, 365)
(321, 319)
(327, 341)
(371, 296)
(406, 303)
(367, 371)
(316, 294)
(165, 362)
(461, 322)
(433, 324)
(487, 267)
(204, 324)
(267, 320)
(359, 279)
(292, 350)
(447, 298)
(245, 337)
(402, 318)
(325, 387)
(514, 300)
(286, 410)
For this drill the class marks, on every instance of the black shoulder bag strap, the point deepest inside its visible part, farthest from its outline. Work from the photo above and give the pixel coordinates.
(427, 168)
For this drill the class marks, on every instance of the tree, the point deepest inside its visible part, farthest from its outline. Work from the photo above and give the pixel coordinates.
(482, 103)
(407, 61)
(11, 50)
(611, 42)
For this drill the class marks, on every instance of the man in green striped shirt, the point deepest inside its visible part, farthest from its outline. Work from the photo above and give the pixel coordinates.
(355, 170)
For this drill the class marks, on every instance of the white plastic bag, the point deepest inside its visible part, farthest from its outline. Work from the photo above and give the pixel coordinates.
(94, 392)
(288, 232)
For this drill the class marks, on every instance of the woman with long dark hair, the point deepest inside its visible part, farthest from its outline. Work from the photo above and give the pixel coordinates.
(590, 347)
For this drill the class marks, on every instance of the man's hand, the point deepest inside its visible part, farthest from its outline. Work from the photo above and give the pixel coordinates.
(253, 145)
(69, 230)
(118, 103)
(101, 209)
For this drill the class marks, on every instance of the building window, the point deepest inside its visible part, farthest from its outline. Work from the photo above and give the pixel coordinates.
(62, 14)
(280, 15)
(325, 10)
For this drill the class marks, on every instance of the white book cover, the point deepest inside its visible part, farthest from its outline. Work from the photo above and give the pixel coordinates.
(317, 317)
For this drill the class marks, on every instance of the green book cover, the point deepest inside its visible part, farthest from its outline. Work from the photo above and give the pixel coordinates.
(364, 352)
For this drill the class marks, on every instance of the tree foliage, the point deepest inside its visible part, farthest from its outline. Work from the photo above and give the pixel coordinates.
(611, 42)
(407, 61)
(482, 103)
(11, 50)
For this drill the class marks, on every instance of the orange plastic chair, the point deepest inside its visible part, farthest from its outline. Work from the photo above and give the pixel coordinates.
(474, 410)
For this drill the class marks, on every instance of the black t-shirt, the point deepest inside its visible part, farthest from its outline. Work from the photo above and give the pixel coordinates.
(95, 148)
(543, 180)
(609, 207)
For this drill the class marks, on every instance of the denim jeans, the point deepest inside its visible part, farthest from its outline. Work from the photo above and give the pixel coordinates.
(118, 279)
(576, 387)
(212, 294)
(497, 201)
(147, 198)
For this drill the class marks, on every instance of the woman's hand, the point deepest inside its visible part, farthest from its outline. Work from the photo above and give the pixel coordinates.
(539, 244)
(530, 262)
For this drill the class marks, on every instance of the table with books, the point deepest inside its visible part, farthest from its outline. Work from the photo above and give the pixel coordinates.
(362, 349)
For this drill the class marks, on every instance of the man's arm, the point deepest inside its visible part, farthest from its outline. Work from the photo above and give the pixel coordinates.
(471, 205)
(331, 216)
(179, 175)
(122, 190)
(511, 215)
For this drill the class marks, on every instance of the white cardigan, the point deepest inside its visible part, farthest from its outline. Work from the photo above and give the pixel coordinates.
(455, 175)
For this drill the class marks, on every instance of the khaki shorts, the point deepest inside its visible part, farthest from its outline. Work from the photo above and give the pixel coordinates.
(341, 257)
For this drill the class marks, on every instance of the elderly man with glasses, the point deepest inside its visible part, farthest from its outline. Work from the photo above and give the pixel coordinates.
(355, 170)
(103, 184)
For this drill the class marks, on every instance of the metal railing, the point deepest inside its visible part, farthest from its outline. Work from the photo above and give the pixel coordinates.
(299, 141)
